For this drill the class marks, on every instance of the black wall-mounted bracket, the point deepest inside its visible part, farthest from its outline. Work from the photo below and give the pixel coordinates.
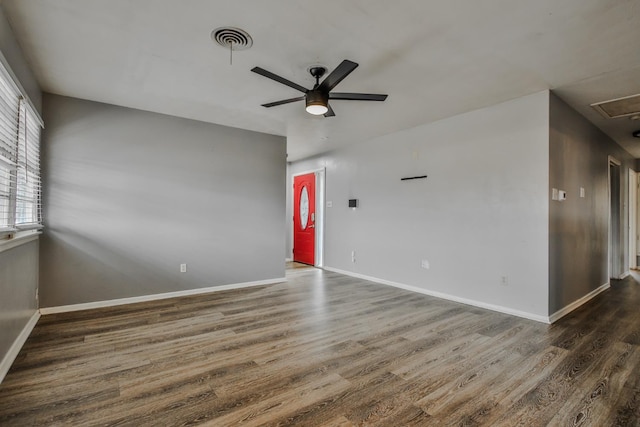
(413, 177)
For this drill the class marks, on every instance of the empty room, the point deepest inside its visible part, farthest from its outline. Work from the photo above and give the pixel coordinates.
(339, 213)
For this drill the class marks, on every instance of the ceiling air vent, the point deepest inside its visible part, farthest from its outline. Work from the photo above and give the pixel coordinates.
(232, 38)
(621, 107)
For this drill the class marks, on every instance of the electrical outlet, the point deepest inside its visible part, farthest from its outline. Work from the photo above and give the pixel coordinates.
(504, 281)
(353, 256)
(329, 204)
(425, 264)
(183, 268)
(37, 293)
(582, 192)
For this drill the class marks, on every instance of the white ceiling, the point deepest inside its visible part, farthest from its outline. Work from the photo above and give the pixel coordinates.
(434, 58)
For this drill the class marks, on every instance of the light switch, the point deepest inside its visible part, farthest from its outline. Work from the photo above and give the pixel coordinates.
(582, 192)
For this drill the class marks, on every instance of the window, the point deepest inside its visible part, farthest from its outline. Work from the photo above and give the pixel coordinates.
(28, 212)
(20, 198)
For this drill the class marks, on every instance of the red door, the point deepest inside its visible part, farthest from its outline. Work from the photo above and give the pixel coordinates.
(304, 218)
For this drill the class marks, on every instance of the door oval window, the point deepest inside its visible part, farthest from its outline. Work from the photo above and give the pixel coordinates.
(304, 208)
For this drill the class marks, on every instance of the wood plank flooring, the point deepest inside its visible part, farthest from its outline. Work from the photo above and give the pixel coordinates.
(328, 350)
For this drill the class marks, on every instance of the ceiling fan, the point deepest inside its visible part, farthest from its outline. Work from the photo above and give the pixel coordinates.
(317, 99)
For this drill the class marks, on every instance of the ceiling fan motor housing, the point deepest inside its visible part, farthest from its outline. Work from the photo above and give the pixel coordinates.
(316, 97)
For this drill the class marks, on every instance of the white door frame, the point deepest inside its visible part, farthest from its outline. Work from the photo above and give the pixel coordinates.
(614, 242)
(633, 203)
(637, 217)
(319, 220)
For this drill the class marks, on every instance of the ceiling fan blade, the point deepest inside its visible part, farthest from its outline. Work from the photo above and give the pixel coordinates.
(270, 75)
(284, 101)
(329, 112)
(357, 96)
(337, 75)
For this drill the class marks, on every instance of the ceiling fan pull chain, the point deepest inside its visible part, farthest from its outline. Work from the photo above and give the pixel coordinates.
(231, 52)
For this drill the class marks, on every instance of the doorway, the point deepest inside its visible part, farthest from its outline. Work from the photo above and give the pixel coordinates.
(615, 229)
(308, 217)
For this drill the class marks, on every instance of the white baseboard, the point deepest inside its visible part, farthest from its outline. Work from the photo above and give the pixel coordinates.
(288, 260)
(492, 307)
(11, 355)
(155, 297)
(577, 303)
(625, 275)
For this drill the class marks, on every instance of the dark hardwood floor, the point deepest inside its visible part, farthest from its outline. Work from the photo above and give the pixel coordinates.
(325, 349)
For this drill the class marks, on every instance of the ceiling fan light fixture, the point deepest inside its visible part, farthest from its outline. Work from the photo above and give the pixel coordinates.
(317, 109)
(317, 103)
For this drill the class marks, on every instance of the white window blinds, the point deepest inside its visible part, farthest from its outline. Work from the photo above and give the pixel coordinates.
(28, 211)
(20, 200)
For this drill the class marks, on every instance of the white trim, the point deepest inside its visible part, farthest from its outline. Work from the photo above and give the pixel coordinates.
(633, 215)
(5, 245)
(321, 190)
(288, 260)
(492, 307)
(156, 297)
(577, 303)
(305, 173)
(625, 274)
(611, 263)
(636, 186)
(614, 160)
(15, 348)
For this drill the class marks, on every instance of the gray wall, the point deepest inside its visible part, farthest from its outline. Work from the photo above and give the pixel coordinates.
(18, 285)
(578, 227)
(481, 214)
(130, 195)
(18, 266)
